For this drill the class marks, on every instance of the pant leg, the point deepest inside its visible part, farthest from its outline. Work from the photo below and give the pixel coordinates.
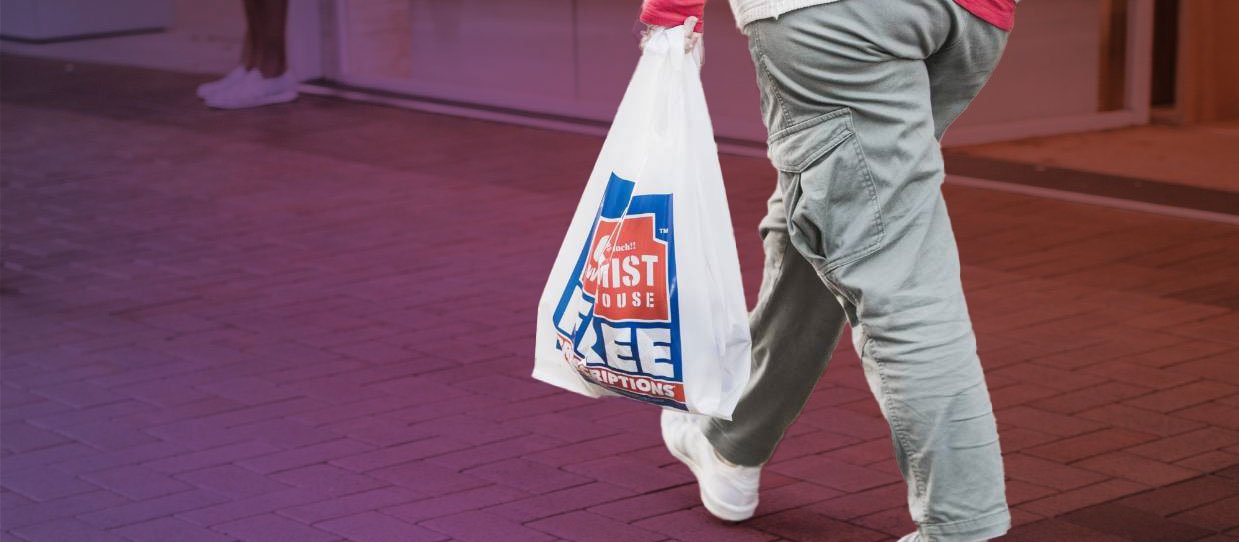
(795, 327)
(853, 131)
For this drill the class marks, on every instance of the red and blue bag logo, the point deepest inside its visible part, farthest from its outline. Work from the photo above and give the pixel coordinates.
(617, 319)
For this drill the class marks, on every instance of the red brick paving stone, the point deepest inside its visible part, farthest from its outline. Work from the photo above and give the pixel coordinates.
(1020, 393)
(376, 527)
(454, 503)
(136, 482)
(317, 510)
(1220, 368)
(79, 394)
(107, 435)
(506, 387)
(46, 456)
(65, 530)
(165, 529)
(1048, 473)
(1187, 445)
(1090, 444)
(469, 429)
(582, 526)
(697, 525)
(564, 427)
(1172, 399)
(1081, 497)
(495, 451)
(793, 495)
(834, 474)
(136, 512)
(233, 481)
(1049, 376)
(1073, 402)
(359, 409)
(1220, 515)
(855, 504)
(379, 432)
(1213, 414)
(304, 456)
(527, 476)
(558, 502)
(1142, 420)
(1136, 468)
(1210, 461)
(650, 504)
(272, 528)
(631, 474)
(840, 420)
(427, 478)
(474, 526)
(327, 479)
(805, 526)
(127, 456)
(1046, 422)
(1136, 525)
(811, 442)
(211, 457)
(865, 453)
(371, 458)
(44, 484)
(579, 452)
(22, 437)
(253, 506)
(1175, 498)
(1019, 491)
(895, 521)
(284, 433)
(1057, 530)
(1015, 439)
(1139, 375)
(30, 514)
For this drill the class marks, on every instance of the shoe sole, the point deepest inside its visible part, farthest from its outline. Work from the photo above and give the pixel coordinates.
(272, 99)
(714, 506)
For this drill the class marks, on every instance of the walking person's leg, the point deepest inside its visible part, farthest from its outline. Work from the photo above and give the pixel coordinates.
(853, 128)
(795, 327)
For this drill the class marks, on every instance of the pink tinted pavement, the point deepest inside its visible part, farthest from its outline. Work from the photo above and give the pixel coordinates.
(314, 322)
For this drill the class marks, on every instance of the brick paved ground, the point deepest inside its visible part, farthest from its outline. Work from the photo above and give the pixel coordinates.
(313, 322)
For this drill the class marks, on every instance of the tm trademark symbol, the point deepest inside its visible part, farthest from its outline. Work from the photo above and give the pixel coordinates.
(663, 230)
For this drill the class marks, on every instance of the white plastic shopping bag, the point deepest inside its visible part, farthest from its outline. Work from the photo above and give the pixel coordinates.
(645, 298)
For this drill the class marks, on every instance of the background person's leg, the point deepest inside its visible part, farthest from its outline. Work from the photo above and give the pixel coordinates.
(795, 327)
(853, 134)
(272, 16)
(249, 47)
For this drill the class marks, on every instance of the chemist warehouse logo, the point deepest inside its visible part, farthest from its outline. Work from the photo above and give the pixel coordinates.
(627, 271)
(617, 324)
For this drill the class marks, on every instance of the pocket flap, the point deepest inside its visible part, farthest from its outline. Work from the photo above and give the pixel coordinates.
(796, 147)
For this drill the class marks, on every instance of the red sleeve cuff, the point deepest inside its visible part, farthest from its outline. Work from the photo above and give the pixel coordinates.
(673, 12)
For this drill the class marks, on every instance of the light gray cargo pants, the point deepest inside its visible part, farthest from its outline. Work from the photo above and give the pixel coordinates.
(856, 94)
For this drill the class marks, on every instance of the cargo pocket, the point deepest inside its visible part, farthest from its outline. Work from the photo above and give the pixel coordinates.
(833, 213)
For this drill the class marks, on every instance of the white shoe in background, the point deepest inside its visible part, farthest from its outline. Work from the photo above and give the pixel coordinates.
(254, 90)
(728, 491)
(205, 90)
(913, 537)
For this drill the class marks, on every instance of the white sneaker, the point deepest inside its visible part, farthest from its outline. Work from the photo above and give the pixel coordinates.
(912, 537)
(728, 491)
(254, 90)
(205, 90)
